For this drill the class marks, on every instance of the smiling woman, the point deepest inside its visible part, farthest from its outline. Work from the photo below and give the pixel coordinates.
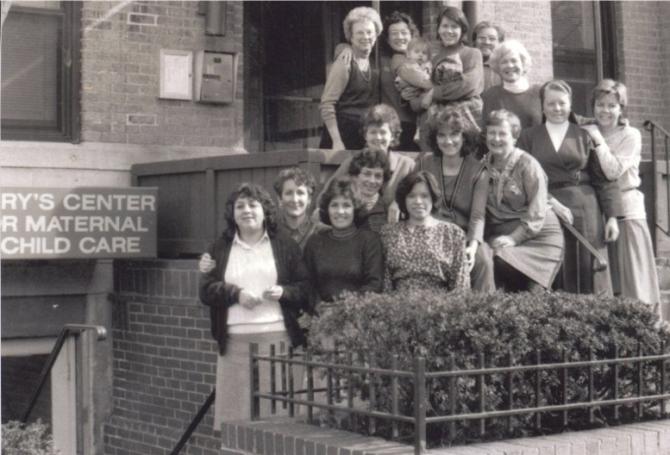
(423, 252)
(351, 87)
(256, 291)
(344, 258)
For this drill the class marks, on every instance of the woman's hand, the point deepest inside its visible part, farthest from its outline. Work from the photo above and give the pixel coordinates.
(594, 133)
(393, 215)
(344, 54)
(427, 99)
(249, 300)
(338, 145)
(470, 253)
(206, 264)
(561, 211)
(611, 229)
(504, 241)
(273, 293)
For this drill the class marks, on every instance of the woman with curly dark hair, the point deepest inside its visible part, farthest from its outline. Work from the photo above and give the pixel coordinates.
(256, 292)
(464, 182)
(344, 258)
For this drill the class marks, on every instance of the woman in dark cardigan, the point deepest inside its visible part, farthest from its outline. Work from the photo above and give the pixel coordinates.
(580, 191)
(256, 292)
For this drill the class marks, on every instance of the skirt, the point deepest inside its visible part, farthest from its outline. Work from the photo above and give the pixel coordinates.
(633, 264)
(233, 381)
(578, 274)
(538, 258)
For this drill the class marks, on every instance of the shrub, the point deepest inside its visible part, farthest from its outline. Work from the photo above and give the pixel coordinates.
(26, 439)
(464, 329)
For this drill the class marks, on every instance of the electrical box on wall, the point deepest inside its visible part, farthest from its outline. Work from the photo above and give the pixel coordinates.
(215, 77)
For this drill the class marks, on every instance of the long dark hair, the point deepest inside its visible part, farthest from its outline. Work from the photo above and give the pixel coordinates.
(258, 193)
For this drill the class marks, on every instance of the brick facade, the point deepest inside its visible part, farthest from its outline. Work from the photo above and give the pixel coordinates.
(121, 43)
(164, 360)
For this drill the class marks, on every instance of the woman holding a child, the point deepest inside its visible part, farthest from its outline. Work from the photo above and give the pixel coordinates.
(458, 72)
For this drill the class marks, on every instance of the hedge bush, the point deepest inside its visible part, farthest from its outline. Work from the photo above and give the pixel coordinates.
(460, 327)
(27, 439)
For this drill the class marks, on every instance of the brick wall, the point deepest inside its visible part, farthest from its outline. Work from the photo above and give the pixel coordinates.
(643, 51)
(283, 437)
(121, 43)
(164, 360)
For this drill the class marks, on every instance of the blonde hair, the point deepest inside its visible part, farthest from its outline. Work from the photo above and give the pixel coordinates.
(358, 14)
(505, 48)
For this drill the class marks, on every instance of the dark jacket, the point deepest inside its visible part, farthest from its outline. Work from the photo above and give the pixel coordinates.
(291, 276)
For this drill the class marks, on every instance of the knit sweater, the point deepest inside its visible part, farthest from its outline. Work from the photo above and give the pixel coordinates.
(354, 263)
(525, 105)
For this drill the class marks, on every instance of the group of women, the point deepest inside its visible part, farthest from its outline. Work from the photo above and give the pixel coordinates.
(479, 208)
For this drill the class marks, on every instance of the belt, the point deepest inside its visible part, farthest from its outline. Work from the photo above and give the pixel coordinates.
(582, 179)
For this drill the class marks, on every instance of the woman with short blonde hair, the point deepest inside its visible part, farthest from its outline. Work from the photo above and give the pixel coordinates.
(351, 86)
(512, 61)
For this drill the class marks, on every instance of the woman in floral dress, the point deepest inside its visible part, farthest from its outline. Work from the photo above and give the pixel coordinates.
(423, 252)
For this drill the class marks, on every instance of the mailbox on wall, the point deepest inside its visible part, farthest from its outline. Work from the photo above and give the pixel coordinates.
(215, 77)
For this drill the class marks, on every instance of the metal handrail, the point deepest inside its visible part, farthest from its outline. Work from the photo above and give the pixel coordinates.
(66, 331)
(194, 423)
(652, 127)
(600, 260)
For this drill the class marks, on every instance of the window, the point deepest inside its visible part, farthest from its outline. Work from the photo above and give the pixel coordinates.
(583, 45)
(40, 71)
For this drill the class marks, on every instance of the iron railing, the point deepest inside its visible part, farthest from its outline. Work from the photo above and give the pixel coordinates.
(599, 261)
(534, 375)
(656, 130)
(194, 423)
(67, 331)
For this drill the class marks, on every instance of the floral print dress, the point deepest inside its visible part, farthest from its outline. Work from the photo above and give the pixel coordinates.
(424, 257)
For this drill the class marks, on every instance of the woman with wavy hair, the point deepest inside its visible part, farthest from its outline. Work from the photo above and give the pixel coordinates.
(464, 183)
(256, 291)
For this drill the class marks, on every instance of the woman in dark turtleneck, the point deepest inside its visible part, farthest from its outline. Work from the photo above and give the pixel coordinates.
(343, 258)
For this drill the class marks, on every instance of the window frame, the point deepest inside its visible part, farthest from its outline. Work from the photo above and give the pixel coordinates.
(69, 80)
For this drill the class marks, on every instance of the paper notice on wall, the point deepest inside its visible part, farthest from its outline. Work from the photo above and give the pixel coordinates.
(86, 222)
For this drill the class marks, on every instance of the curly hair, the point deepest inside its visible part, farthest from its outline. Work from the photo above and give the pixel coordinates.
(455, 15)
(486, 24)
(454, 121)
(611, 87)
(397, 17)
(372, 159)
(500, 116)
(258, 193)
(344, 187)
(358, 14)
(383, 114)
(298, 175)
(408, 183)
(505, 48)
